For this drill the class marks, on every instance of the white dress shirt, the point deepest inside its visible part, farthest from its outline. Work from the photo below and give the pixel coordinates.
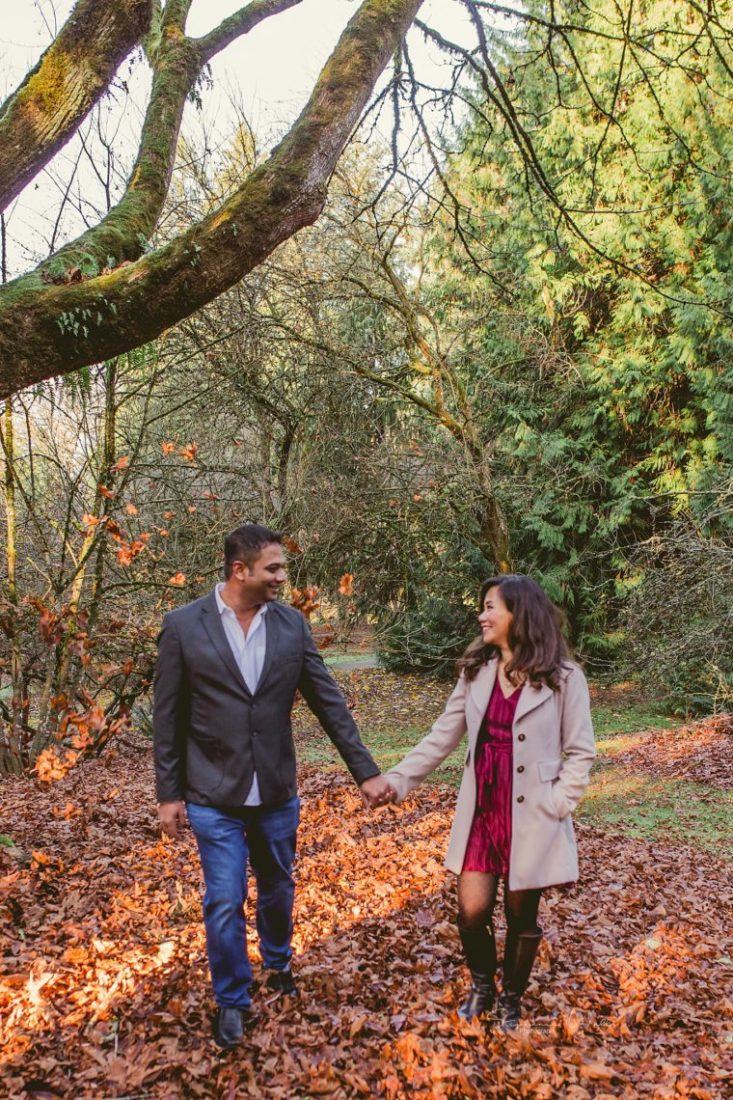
(249, 653)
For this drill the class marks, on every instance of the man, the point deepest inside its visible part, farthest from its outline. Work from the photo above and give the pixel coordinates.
(229, 665)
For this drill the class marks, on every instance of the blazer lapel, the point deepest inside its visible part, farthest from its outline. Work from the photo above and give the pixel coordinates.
(531, 698)
(272, 640)
(215, 629)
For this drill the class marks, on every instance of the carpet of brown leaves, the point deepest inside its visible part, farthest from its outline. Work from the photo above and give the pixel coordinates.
(701, 752)
(104, 988)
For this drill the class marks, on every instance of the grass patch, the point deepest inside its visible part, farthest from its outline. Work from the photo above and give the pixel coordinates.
(615, 720)
(350, 660)
(618, 728)
(661, 809)
(386, 746)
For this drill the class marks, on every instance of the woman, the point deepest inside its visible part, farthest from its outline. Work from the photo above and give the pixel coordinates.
(526, 708)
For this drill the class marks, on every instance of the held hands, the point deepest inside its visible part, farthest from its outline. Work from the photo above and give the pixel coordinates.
(172, 817)
(377, 792)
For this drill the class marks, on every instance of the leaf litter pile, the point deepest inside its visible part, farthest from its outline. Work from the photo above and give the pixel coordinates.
(702, 752)
(104, 986)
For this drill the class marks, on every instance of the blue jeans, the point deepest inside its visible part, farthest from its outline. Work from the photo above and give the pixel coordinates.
(226, 840)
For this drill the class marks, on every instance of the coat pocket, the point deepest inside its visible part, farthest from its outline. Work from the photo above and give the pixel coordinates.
(549, 771)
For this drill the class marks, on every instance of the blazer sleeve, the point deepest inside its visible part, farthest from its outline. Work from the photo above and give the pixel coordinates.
(323, 696)
(170, 701)
(577, 743)
(445, 733)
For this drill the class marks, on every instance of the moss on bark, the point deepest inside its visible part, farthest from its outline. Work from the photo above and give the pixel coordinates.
(48, 330)
(58, 93)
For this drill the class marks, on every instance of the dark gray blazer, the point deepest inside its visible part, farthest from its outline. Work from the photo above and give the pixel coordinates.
(211, 733)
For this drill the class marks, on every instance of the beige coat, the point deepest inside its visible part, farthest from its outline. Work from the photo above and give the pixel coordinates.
(553, 752)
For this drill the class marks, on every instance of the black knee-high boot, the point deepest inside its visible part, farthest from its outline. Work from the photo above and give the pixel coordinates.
(520, 952)
(479, 948)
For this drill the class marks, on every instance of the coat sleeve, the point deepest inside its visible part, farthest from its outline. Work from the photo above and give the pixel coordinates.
(577, 744)
(323, 696)
(170, 702)
(445, 733)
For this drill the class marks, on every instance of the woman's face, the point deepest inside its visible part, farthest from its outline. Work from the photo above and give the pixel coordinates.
(495, 619)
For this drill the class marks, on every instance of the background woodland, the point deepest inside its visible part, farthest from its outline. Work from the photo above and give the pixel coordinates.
(505, 344)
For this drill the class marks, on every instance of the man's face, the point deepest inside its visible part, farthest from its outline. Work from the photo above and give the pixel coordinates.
(263, 580)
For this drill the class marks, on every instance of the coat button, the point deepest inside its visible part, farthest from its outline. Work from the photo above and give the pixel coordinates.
(521, 737)
(521, 798)
(520, 768)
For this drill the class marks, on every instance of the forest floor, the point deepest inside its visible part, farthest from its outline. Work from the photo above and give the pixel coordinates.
(103, 980)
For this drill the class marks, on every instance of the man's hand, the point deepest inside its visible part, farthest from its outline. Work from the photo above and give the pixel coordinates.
(172, 817)
(377, 792)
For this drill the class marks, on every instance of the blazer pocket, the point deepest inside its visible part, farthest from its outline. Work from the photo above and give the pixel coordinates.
(468, 759)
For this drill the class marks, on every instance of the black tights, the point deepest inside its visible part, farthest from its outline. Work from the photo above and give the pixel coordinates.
(477, 898)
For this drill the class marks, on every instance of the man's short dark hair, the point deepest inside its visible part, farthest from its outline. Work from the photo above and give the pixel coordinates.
(246, 544)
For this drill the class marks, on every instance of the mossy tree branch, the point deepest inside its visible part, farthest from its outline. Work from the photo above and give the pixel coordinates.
(177, 62)
(124, 231)
(55, 97)
(48, 329)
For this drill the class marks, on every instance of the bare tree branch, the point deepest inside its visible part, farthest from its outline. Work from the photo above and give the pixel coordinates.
(238, 24)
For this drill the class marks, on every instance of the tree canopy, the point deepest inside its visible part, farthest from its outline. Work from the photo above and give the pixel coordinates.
(120, 283)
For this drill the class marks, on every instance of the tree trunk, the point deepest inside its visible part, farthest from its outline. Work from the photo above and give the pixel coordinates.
(61, 682)
(12, 747)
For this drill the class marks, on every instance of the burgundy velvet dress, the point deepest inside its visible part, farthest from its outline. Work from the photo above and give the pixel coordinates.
(490, 839)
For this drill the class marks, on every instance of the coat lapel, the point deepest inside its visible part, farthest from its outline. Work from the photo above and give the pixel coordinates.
(215, 629)
(530, 699)
(479, 693)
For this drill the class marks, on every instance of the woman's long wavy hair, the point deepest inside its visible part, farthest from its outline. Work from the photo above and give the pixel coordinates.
(538, 646)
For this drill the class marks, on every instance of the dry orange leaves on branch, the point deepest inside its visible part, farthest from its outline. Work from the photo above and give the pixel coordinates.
(346, 585)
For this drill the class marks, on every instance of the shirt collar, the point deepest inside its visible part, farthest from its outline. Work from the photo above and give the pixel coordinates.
(224, 607)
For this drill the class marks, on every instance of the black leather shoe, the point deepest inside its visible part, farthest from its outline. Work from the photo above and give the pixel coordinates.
(480, 999)
(510, 1011)
(282, 982)
(230, 1026)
